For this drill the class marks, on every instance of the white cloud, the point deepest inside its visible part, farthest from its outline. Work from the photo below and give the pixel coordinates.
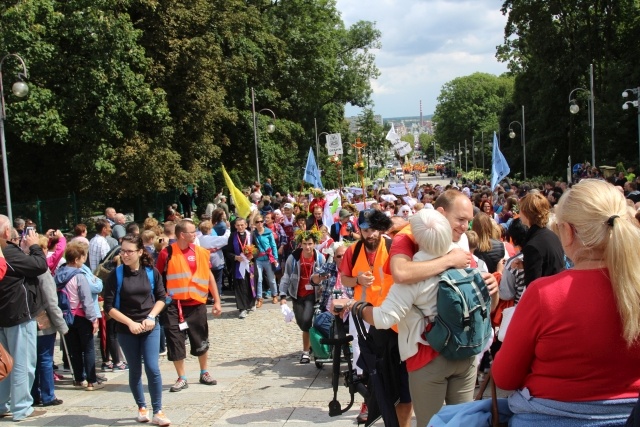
(426, 43)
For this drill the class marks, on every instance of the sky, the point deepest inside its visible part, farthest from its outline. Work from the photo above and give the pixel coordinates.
(425, 44)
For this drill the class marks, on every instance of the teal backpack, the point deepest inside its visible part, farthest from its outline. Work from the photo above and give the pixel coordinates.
(462, 327)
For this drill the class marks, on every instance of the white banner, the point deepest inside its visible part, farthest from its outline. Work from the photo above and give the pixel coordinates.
(401, 147)
(334, 143)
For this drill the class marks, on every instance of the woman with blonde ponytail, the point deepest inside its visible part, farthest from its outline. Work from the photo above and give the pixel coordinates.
(572, 351)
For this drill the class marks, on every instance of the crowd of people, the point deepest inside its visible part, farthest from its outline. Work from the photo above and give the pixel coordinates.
(563, 256)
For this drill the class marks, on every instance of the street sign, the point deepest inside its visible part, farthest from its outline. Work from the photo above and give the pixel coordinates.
(334, 143)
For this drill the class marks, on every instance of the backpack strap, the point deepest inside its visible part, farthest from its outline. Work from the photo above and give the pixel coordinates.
(357, 249)
(120, 279)
(166, 263)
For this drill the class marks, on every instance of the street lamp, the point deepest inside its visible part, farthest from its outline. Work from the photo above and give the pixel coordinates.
(512, 135)
(19, 89)
(270, 128)
(625, 106)
(573, 108)
(318, 135)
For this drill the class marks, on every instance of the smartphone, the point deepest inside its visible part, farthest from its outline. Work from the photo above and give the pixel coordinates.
(29, 229)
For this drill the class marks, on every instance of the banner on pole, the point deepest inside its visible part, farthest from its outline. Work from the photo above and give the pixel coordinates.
(334, 144)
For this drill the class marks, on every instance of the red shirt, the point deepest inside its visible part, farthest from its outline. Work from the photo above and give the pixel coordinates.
(565, 342)
(307, 266)
(190, 255)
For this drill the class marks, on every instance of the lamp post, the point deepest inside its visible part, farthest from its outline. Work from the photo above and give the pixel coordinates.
(318, 135)
(270, 128)
(337, 162)
(466, 157)
(512, 135)
(625, 106)
(573, 108)
(19, 89)
(359, 167)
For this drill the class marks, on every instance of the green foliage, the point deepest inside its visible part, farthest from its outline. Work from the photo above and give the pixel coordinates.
(549, 47)
(129, 96)
(470, 106)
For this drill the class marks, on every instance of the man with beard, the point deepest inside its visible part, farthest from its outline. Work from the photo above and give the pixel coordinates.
(316, 219)
(363, 269)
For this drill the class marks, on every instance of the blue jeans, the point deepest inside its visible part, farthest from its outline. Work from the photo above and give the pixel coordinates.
(135, 348)
(265, 269)
(42, 389)
(219, 275)
(82, 349)
(15, 390)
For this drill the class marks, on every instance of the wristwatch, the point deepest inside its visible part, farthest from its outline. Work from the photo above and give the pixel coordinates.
(150, 317)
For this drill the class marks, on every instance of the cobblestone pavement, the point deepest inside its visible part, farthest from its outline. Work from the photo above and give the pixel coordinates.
(260, 381)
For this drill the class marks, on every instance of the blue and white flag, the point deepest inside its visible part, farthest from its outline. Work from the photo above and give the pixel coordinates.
(311, 172)
(499, 168)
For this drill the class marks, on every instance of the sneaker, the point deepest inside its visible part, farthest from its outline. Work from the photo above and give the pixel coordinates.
(243, 314)
(120, 367)
(54, 402)
(108, 366)
(94, 386)
(252, 309)
(363, 416)
(163, 353)
(206, 379)
(159, 418)
(143, 415)
(179, 385)
(267, 295)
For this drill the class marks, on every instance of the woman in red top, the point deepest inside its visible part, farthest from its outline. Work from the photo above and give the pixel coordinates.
(573, 340)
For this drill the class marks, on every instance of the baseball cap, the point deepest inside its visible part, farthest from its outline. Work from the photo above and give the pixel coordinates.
(344, 214)
(287, 206)
(363, 218)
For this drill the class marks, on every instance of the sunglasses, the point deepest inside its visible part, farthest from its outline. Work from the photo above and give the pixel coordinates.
(338, 256)
(259, 222)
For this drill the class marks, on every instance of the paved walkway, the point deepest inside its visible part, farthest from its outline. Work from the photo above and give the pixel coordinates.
(260, 381)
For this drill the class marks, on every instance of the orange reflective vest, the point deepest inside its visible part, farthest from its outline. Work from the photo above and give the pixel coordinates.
(181, 284)
(382, 282)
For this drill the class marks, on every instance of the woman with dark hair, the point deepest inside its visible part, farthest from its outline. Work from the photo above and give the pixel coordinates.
(512, 281)
(134, 296)
(510, 210)
(219, 221)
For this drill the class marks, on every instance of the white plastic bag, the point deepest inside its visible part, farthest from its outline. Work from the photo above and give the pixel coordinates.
(507, 314)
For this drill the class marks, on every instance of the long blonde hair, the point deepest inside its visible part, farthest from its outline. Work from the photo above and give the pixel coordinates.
(607, 229)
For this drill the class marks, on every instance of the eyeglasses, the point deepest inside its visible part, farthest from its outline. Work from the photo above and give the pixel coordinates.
(190, 232)
(127, 253)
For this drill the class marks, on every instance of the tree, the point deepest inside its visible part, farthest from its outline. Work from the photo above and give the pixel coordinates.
(549, 47)
(470, 105)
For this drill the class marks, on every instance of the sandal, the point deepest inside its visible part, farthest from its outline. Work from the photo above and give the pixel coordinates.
(305, 358)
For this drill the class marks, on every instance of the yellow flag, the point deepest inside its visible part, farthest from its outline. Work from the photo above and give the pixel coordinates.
(239, 199)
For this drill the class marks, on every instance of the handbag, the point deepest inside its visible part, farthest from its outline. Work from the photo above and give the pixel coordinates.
(6, 363)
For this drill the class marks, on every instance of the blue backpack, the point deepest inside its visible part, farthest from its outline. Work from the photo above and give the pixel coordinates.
(462, 327)
(120, 278)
